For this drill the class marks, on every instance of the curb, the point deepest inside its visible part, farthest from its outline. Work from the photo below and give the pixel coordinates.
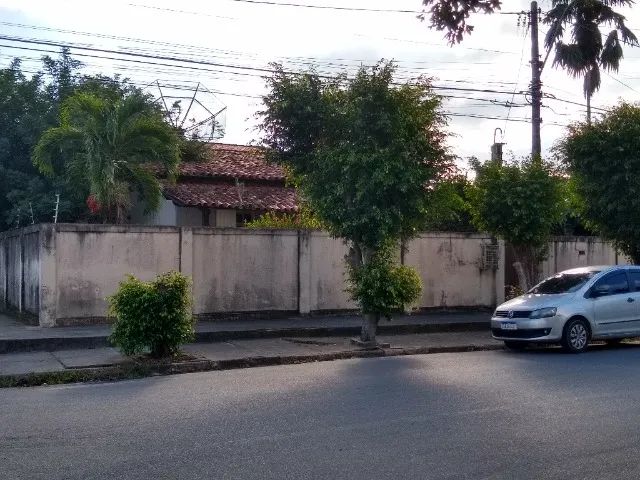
(133, 370)
(51, 344)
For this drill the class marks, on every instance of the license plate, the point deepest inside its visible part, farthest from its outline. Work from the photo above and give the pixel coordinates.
(508, 326)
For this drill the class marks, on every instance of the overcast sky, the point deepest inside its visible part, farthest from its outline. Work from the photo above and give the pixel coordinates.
(235, 39)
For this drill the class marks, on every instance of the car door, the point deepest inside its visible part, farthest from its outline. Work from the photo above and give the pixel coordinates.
(614, 310)
(634, 287)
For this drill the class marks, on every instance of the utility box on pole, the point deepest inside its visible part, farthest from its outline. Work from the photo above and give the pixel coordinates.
(496, 148)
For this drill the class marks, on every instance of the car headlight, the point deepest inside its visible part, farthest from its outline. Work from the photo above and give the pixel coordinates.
(544, 312)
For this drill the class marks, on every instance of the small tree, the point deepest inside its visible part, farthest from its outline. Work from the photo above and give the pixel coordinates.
(520, 203)
(604, 160)
(152, 316)
(364, 153)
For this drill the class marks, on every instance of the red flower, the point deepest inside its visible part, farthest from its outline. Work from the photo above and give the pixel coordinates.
(92, 203)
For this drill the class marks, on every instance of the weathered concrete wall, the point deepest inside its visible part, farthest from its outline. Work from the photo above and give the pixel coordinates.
(31, 272)
(450, 265)
(3, 272)
(20, 270)
(237, 270)
(91, 260)
(327, 273)
(14, 273)
(64, 272)
(571, 252)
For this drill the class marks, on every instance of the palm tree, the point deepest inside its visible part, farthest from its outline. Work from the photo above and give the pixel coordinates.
(587, 52)
(106, 144)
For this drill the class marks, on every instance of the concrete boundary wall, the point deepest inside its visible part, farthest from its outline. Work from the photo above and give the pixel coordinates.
(62, 274)
(20, 271)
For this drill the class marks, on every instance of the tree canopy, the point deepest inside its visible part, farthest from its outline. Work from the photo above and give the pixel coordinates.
(364, 150)
(106, 143)
(520, 202)
(604, 160)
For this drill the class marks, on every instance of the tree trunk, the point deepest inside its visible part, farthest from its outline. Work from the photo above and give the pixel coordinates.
(522, 278)
(369, 328)
(360, 255)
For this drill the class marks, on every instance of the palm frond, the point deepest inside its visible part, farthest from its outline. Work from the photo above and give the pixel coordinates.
(611, 52)
(53, 142)
(628, 36)
(570, 57)
(556, 31)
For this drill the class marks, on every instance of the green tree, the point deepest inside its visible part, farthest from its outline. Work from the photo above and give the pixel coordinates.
(449, 206)
(520, 203)
(604, 160)
(587, 52)
(106, 143)
(364, 152)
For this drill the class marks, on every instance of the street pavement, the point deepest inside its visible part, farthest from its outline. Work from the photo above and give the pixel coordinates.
(538, 414)
(60, 360)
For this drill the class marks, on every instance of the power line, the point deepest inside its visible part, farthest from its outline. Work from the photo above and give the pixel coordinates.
(620, 82)
(524, 40)
(173, 10)
(243, 68)
(319, 7)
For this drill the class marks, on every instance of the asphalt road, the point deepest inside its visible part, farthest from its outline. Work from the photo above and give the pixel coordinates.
(485, 415)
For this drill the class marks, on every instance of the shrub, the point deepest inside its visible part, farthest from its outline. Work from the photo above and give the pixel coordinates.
(302, 220)
(152, 316)
(382, 287)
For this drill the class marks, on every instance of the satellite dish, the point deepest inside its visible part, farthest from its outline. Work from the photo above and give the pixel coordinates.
(191, 108)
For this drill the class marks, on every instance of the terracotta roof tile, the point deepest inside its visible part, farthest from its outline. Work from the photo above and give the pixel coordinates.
(233, 161)
(225, 195)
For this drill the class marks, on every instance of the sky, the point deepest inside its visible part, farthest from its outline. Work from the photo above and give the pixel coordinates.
(234, 42)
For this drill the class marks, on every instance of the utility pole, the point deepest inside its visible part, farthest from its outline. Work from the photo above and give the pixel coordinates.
(536, 85)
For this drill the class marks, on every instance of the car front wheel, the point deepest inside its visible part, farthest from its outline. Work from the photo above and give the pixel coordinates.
(576, 335)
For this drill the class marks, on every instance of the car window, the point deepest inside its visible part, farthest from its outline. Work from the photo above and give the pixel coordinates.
(562, 283)
(614, 282)
(634, 280)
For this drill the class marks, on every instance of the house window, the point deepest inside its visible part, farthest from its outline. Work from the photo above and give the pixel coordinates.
(246, 216)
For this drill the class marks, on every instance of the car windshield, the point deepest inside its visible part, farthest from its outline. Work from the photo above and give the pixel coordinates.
(562, 283)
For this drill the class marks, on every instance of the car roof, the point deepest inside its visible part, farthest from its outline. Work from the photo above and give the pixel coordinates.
(598, 268)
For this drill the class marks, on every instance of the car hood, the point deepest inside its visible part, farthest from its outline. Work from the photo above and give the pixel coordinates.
(533, 302)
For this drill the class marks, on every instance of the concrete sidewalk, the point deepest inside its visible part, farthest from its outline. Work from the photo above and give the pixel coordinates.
(253, 352)
(18, 337)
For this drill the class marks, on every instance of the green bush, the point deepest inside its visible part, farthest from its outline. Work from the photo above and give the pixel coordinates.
(382, 287)
(152, 316)
(302, 220)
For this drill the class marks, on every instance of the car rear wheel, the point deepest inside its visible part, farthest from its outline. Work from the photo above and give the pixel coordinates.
(512, 345)
(576, 335)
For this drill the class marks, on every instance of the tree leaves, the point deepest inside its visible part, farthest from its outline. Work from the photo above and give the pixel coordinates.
(604, 161)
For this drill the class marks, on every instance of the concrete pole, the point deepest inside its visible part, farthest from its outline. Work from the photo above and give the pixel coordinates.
(536, 93)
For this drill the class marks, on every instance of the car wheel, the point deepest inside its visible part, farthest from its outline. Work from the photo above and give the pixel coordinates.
(511, 345)
(576, 335)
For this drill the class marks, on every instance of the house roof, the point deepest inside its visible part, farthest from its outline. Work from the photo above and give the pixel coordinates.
(226, 195)
(232, 161)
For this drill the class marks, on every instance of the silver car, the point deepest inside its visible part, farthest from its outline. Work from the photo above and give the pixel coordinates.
(572, 308)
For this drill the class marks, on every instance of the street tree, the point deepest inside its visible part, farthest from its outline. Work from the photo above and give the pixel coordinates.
(105, 143)
(603, 160)
(364, 152)
(520, 202)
